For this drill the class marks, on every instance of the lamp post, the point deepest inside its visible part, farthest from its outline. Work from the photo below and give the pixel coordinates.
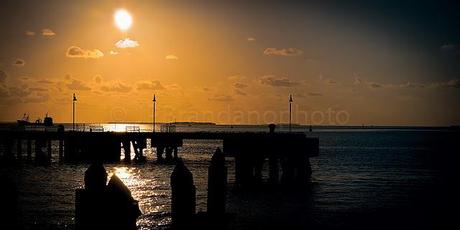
(74, 101)
(290, 111)
(154, 112)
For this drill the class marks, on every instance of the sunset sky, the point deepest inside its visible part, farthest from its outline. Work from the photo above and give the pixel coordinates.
(371, 62)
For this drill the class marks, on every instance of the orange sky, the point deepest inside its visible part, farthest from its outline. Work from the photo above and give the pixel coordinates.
(226, 63)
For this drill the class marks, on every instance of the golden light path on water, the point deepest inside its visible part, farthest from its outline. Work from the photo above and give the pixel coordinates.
(147, 191)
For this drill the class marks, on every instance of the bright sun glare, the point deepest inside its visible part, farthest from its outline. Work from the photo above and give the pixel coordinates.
(123, 19)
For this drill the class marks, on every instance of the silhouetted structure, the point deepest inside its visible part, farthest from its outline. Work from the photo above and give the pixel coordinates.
(217, 184)
(101, 206)
(8, 204)
(183, 199)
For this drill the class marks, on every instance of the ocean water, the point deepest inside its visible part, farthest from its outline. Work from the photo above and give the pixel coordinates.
(357, 171)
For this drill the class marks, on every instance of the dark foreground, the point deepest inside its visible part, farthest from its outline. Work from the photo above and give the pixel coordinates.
(361, 180)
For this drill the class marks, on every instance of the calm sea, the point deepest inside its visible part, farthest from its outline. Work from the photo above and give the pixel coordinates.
(357, 171)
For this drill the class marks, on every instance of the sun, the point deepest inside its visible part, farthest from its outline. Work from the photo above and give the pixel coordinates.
(123, 19)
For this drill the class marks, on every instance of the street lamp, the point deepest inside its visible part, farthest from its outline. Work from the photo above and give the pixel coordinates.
(74, 101)
(154, 112)
(290, 111)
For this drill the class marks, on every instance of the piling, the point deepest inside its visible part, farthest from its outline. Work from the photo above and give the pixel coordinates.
(217, 184)
(183, 199)
(19, 149)
(29, 149)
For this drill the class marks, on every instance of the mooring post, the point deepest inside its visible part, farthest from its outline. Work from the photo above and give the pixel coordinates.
(61, 142)
(168, 154)
(19, 149)
(175, 155)
(49, 148)
(273, 173)
(217, 184)
(127, 149)
(160, 150)
(29, 149)
(183, 198)
(61, 150)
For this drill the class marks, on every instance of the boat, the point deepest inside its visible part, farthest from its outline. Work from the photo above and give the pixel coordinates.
(24, 120)
(47, 121)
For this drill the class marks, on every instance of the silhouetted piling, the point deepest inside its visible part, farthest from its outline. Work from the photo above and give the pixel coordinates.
(183, 199)
(273, 167)
(98, 206)
(19, 149)
(160, 150)
(29, 149)
(217, 184)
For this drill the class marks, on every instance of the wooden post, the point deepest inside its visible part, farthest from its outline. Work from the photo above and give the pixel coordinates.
(19, 149)
(29, 149)
(49, 156)
(183, 199)
(273, 169)
(217, 184)
(61, 150)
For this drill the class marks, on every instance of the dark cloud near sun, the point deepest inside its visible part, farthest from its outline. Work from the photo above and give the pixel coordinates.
(77, 52)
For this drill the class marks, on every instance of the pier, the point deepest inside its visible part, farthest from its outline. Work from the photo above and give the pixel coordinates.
(287, 151)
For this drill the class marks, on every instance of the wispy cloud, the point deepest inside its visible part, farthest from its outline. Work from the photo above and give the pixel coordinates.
(3, 76)
(117, 87)
(29, 33)
(240, 85)
(288, 52)
(171, 57)
(19, 62)
(221, 98)
(77, 52)
(251, 39)
(77, 85)
(276, 81)
(48, 32)
(126, 43)
(150, 85)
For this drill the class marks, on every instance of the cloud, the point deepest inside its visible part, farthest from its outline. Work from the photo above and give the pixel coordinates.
(19, 91)
(236, 77)
(455, 83)
(251, 39)
(288, 52)
(29, 33)
(77, 85)
(45, 81)
(171, 57)
(313, 94)
(375, 85)
(117, 87)
(275, 81)
(77, 52)
(48, 32)
(221, 98)
(150, 85)
(19, 62)
(331, 82)
(240, 92)
(357, 81)
(38, 89)
(127, 43)
(113, 52)
(239, 85)
(3, 76)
